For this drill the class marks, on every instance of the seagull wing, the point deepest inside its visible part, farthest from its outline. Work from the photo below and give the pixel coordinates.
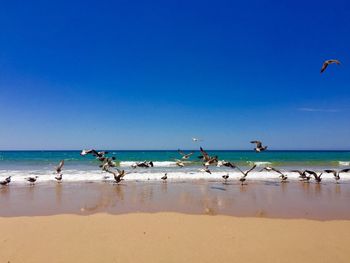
(205, 154)
(324, 66)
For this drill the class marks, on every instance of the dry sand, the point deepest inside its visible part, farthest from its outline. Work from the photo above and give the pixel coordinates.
(171, 237)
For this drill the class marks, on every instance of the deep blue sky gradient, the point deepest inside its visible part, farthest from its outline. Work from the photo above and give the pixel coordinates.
(153, 74)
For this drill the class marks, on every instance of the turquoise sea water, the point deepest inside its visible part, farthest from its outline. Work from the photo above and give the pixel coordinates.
(18, 159)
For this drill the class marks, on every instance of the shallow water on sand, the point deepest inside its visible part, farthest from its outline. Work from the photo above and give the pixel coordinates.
(263, 199)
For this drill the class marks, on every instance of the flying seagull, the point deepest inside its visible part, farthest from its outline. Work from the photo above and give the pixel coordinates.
(184, 155)
(317, 177)
(205, 170)
(196, 140)
(328, 62)
(244, 174)
(179, 163)
(118, 176)
(59, 167)
(259, 147)
(337, 173)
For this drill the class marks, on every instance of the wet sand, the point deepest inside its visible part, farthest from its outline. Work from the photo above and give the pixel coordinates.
(171, 237)
(269, 199)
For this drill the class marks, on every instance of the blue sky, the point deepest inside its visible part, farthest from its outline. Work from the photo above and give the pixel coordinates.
(151, 75)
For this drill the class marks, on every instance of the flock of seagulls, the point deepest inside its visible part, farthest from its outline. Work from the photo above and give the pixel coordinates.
(108, 165)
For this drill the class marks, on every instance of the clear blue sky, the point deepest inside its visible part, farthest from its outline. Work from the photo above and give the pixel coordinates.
(153, 74)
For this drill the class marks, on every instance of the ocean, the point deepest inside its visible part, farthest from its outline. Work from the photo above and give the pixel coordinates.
(20, 164)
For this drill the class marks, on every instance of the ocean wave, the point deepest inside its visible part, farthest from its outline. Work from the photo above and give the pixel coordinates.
(342, 163)
(259, 163)
(18, 177)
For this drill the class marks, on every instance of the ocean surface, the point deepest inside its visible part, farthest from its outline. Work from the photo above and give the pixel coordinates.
(21, 164)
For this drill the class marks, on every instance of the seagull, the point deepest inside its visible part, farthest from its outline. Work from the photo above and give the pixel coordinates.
(205, 170)
(205, 155)
(328, 62)
(179, 163)
(94, 153)
(58, 178)
(227, 164)
(118, 176)
(259, 147)
(6, 181)
(59, 167)
(302, 174)
(32, 180)
(196, 140)
(107, 163)
(337, 173)
(143, 164)
(271, 169)
(317, 177)
(225, 177)
(244, 174)
(165, 177)
(184, 155)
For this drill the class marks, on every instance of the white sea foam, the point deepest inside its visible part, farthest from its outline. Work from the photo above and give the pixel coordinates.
(18, 177)
(344, 163)
(259, 163)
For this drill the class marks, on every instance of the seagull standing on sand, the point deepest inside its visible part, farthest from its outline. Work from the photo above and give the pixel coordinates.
(165, 177)
(259, 147)
(32, 180)
(328, 62)
(337, 173)
(5, 182)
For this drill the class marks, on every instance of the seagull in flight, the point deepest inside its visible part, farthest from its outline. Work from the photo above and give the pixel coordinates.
(259, 147)
(337, 173)
(329, 62)
(185, 156)
(196, 140)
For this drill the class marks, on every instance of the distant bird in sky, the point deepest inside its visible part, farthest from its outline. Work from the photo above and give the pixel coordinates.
(165, 177)
(196, 140)
(337, 173)
(185, 156)
(259, 147)
(328, 62)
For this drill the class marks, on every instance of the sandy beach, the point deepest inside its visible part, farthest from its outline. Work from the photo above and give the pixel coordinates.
(171, 237)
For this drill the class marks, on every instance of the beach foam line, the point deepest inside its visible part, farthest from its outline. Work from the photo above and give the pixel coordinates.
(155, 163)
(344, 163)
(148, 174)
